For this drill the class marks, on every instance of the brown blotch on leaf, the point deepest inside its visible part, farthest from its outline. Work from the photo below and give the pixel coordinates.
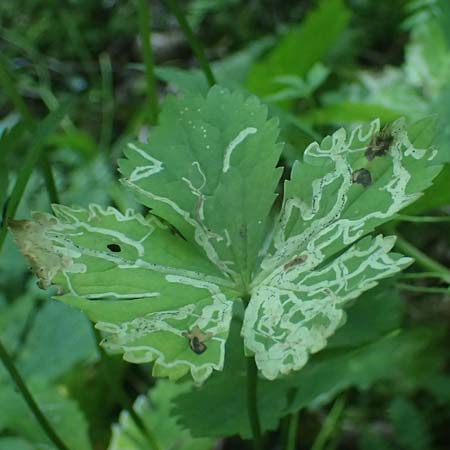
(380, 144)
(362, 177)
(197, 339)
(33, 242)
(295, 262)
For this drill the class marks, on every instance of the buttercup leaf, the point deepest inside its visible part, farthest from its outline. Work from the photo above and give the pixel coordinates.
(299, 294)
(163, 290)
(209, 170)
(144, 286)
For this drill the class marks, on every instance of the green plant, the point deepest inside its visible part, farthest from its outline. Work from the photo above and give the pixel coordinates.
(255, 295)
(162, 287)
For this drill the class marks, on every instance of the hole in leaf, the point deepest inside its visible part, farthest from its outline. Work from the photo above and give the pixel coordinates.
(114, 248)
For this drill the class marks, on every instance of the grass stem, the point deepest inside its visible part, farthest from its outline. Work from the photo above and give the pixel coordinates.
(21, 386)
(421, 258)
(144, 18)
(291, 438)
(6, 80)
(193, 40)
(330, 424)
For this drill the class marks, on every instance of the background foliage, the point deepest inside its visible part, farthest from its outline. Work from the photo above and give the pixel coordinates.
(383, 381)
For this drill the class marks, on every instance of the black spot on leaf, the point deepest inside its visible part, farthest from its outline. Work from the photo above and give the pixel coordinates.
(362, 177)
(114, 248)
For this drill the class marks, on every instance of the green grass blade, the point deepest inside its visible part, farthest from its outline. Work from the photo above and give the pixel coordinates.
(44, 131)
(144, 16)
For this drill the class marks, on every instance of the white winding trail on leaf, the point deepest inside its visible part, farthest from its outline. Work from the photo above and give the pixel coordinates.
(201, 235)
(290, 317)
(233, 144)
(212, 318)
(148, 170)
(295, 307)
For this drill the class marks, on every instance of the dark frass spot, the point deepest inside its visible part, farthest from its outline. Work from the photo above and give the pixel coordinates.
(380, 144)
(114, 248)
(362, 177)
(197, 340)
(295, 262)
(197, 346)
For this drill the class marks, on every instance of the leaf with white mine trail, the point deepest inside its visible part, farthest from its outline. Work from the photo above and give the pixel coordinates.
(309, 273)
(163, 290)
(209, 170)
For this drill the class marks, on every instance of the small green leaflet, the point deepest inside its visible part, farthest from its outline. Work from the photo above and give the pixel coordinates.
(163, 289)
(155, 413)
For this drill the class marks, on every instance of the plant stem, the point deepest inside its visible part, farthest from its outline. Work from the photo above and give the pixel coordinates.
(428, 290)
(252, 404)
(10, 88)
(38, 414)
(193, 40)
(144, 16)
(252, 394)
(329, 424)
(421, 258)
(419, 219)
(107, 101)
(49, 180)
(418, 275)
(292, 431)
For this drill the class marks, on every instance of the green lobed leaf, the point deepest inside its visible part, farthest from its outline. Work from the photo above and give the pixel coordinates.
(373, 315)
(300, 48)
(221, 159)
(143, 285)
(395, 356)
(154, 411)
(162, 291)
(345, 187)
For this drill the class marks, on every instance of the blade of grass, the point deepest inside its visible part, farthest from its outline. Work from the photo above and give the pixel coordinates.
(291, 437)
(193, 40)
(330, 423)
(9, 87)
(423, 289)
(24, 391)
(44, 131)
(144, 18)
(107, 101)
